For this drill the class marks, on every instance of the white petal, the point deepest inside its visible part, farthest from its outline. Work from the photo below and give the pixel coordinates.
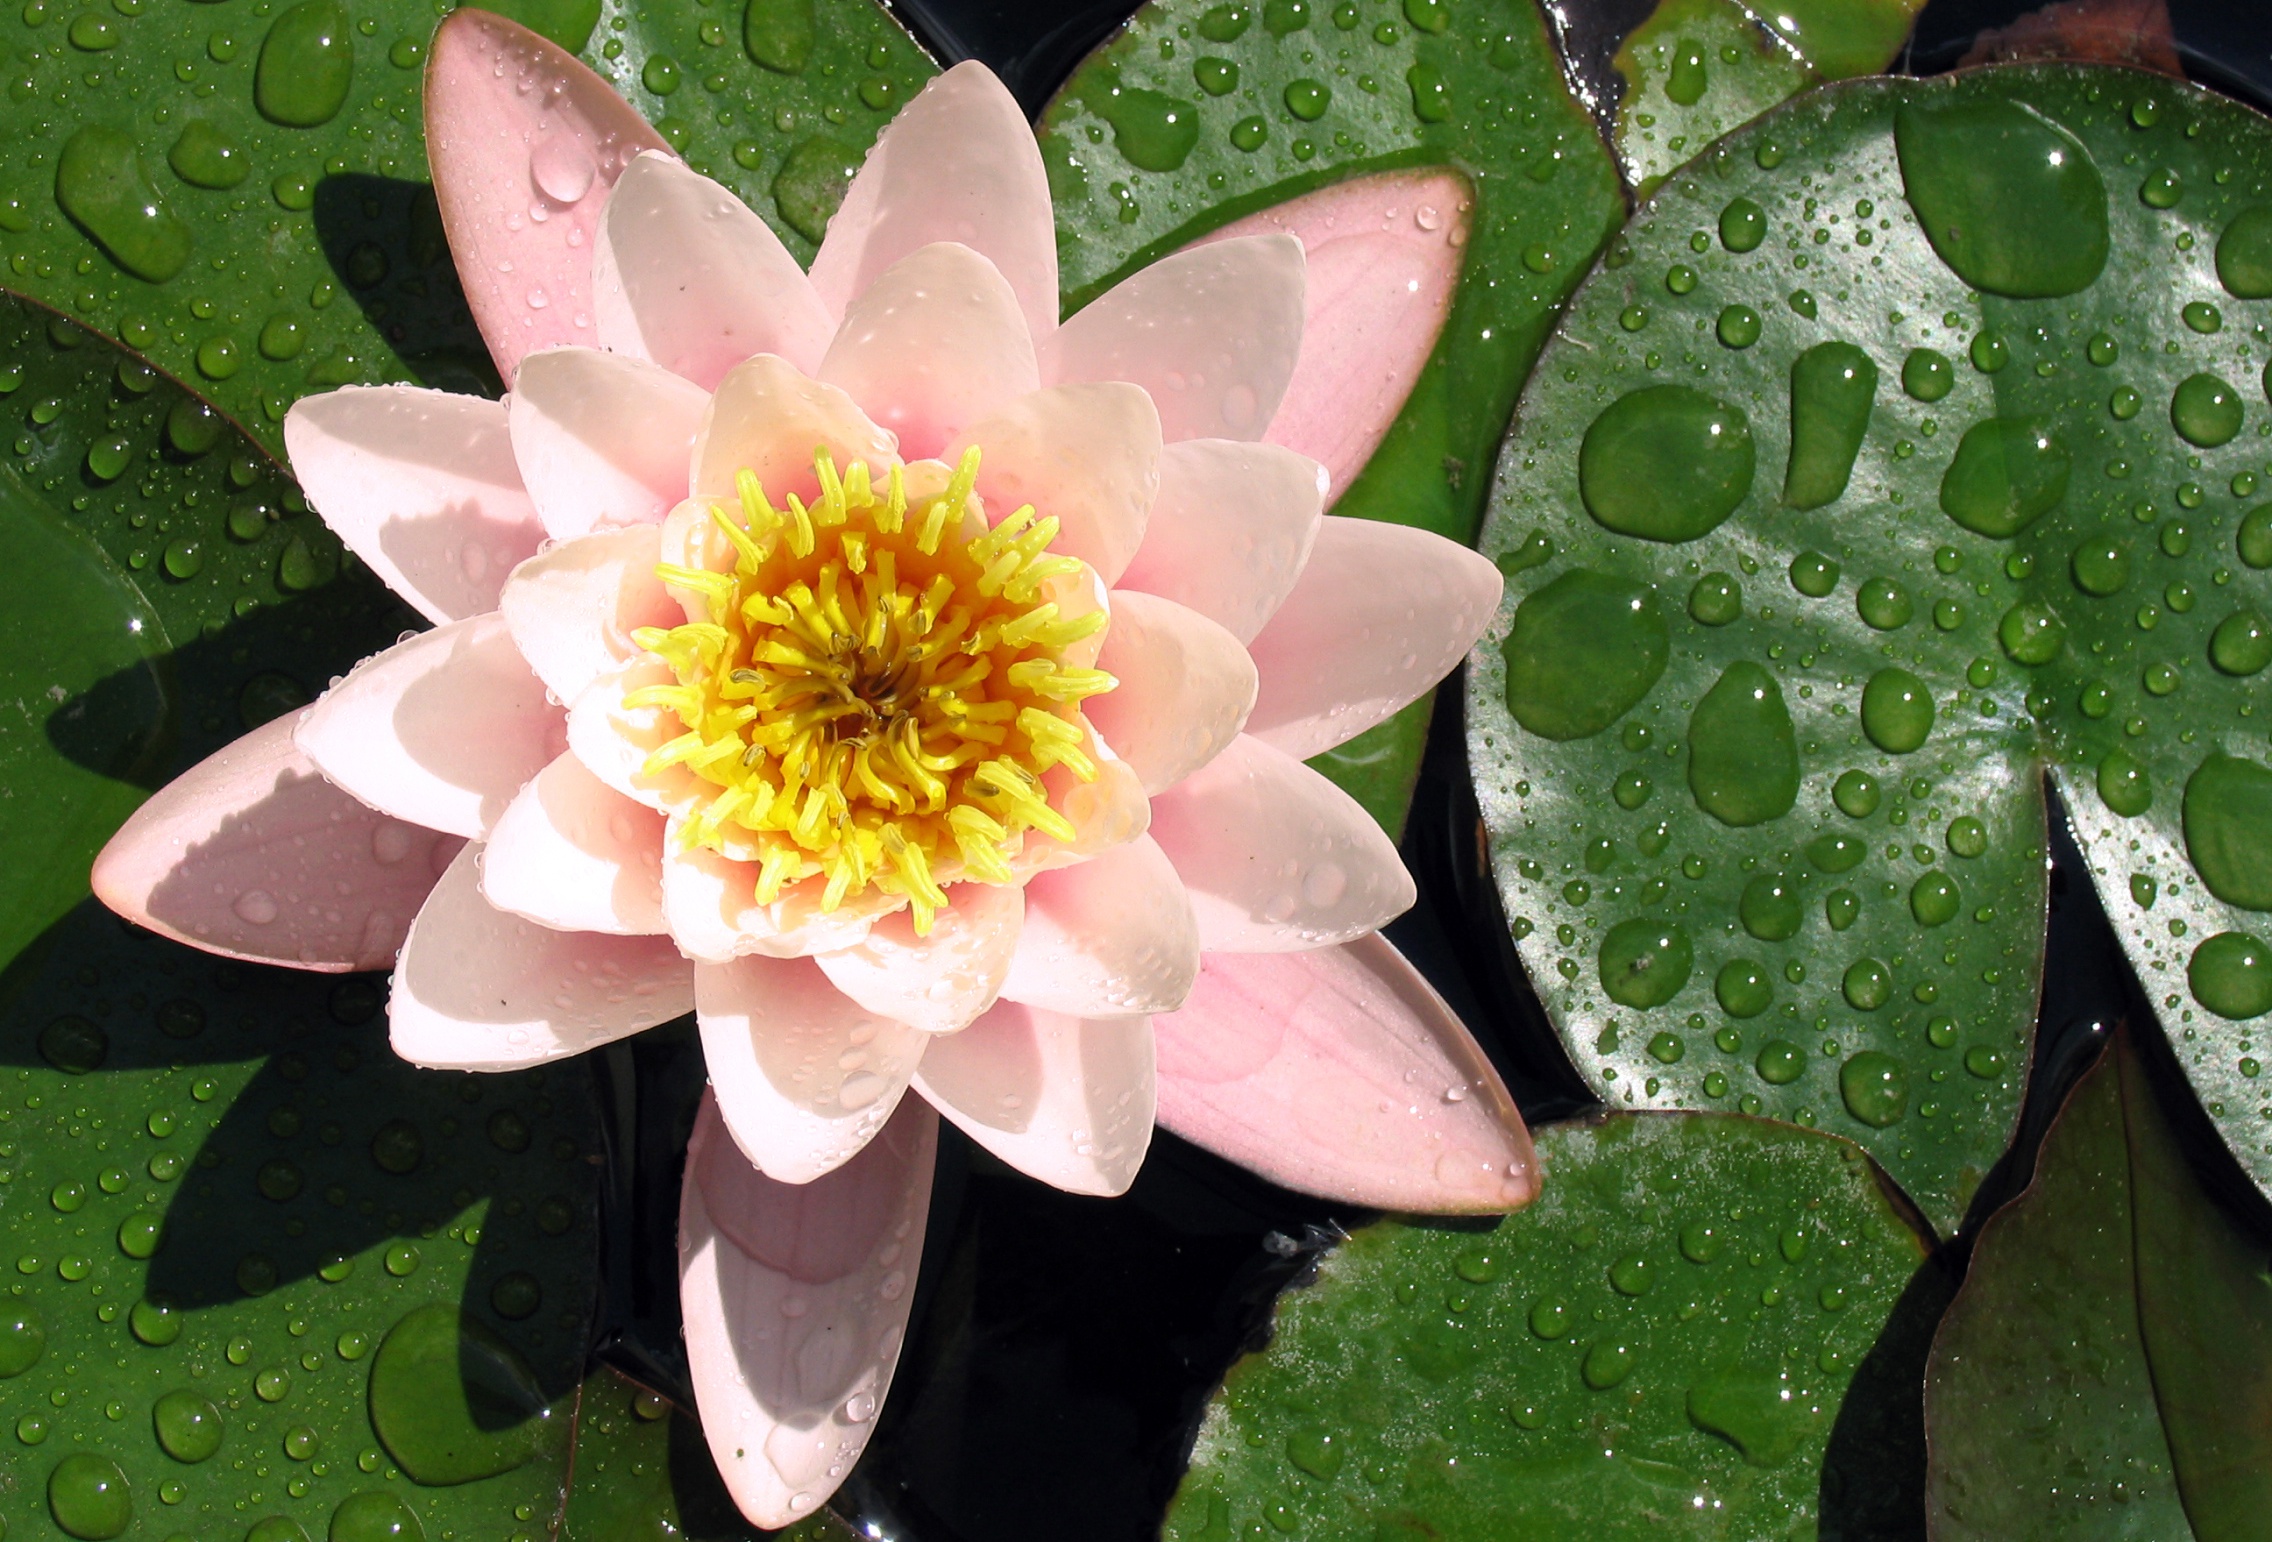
(613, 741)
(572, 609)
(601, 439)
(939, 982)
(1067, 1100)
(1085, 455)
(1230, 530)
(710, 902)
(768, 418)
(1109, 937)
(1186, 686)
(574, 854)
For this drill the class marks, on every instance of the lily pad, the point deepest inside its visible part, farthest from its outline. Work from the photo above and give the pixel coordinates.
(1701, 1328)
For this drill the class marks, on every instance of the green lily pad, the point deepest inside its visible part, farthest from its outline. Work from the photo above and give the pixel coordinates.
(1203, 112)
(1701, 1328)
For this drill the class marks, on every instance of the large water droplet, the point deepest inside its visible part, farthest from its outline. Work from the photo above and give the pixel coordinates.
(452, 1401)
(1770, 908)
(1934, 899)
(1644, 963)
(2100, 566)
(1743, 756)
(1608, 1361)
(2244, 254)
(205, 156)
(811, 183)
(2228, 829)
(2123, 784)
(779, 33)
(1755, 1411)
(1780, 1062)
(1833, 387)
(1897, 711)
(1316, 1452)
(374, 1516)
(2242, 643)
(566, 22)
(23, 1338)
(100, 183)
(188, 1426)
(1665, 463)
(1582, 651)
(1743, 988)
(306, 63)
(2007, 471)
(2009, 199)
(2231, 975)
(1151, 130)
(2206, 411)
(88, 1497)
(73, 1045)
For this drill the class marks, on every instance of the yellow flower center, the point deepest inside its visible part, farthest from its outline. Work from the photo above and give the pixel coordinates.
(876, 691)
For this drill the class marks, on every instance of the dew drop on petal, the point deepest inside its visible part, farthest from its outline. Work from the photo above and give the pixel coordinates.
(257, 906)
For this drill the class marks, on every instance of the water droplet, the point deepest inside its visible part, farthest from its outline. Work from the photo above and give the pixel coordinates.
(452, 1401)
(1984, 1062)
(516, 1296)
(1856, 794)
(1968, 837)
(1665, 463)
(2006, 472)
(1582, 651)
(1738, 326)
(1431, 93)
(2228, 829)
(1883, 603)
(203, 155)
(1632, 1275)
(1897, 711)
(73, 1045)
(1226, 23)
(1316, 1452)
(2244, 254)
(778, 34)
(2206, 411)
(1813, 574)
(188, 1425)
(1755, 1412)
(398, 1147)
(1700, 1242)
(2202, 317)
(1835, 852)
(811, 183)
(2010, 200)
(1934, 899)
(1715, 600)
(2162, 189)
(2031, 633)
(1249, 134)
(375, 1516)
(100, 183)
(306, 63)
(277, 1528)
(88, 1497)
(2100, 566)
(1833, 387)
(402, 1257)
(1608, 1362)
(1743, 988)
(1743, 225)
(155, 1321)
(1644, 963)
(1927, 374)
(23, 1338)
(1780, 1062)
(2231, 975)
(1307, 99)
(1841, 908)
(2242, 644)
(1743, 755)
(1770, 908)
(1867, 985)
(1151, 130)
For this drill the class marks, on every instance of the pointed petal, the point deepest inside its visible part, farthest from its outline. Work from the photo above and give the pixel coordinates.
(422, 486)
(710, 903)
(1230, 530)
(1381, 613)
(768, 418)
(939, 982)
(959, 163)
(525, 143)
(1186, 686)
(1385, 254)
(687, 276)
(1067, 1100)
(441, 729)
(1277, 859)
(480, 990)
(572, 609)
(804, 1075)
(1085, 455)
(1211, 332)
(1110, 937)
(933, 345)
(574, 854)
(251, 854)
(1340, 1072)
(795, 1300)
(602, 439)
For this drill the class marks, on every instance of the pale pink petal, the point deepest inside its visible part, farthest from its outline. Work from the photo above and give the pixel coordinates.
(572, 609)
(1186, 686)
(1108, 812)
(940, 981)
(1380, 614)
(959, 163)
(252, 854)
(795, 1301)
(525, 144)
(422, 486)
(1085, 455)
(1230, 530)
(687, 276)
(1384, 256)
(1067, 1100)
(710, 903)
(613, 741)
(574, 854)
(602, 439)
(1109, 937)
(803, 1074)
(1211, 332)
(480, 990)
(768, 418)
(935, 344)
(441, 729)
(1340, 1072)
(1277, 859)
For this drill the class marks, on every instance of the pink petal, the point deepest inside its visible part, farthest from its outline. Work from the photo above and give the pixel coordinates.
(1277, 858)
(480, 990)
(572, 608)
(525, 144)
(602, 439)
(422, 486)
(613, 741)
(1085, 455)
(1108, 812)
(795, 1299)
(251, 854)
(1067, 1100)
(804, 1076)
(934, 344)
(710, 903)
(1340, 1072)
(1230, 530)
(1109, 937)
(939, 982)
(959, 163)
(1381, 613)
(768, 418)
(687, 276)
(1211, 332)
(1185, 688)
(1385, 254)
(441, 729)
(574, 854)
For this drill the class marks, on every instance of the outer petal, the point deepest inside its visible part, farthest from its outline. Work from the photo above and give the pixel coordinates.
(934, 344)
(525, 144)
(574, 854)
(572, 609)
(1211, 332)
(422, 486)
(1087, 455)
(939, 982)
(1230, 530)
(1381, 613)
(1110, 937)
(684, 274)
(803, 1074)
(959, 163)
(441, 729)
(795, 1300)
(252, 854)
(1186, 686)
(602, 439)
(710, 903)
(1276, 857)
(1340, 1072)
(768, 417)
(1384, 261)
(1067, 1100)
(479, 990)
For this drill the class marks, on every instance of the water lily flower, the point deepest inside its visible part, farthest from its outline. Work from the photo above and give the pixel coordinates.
(912, 685)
